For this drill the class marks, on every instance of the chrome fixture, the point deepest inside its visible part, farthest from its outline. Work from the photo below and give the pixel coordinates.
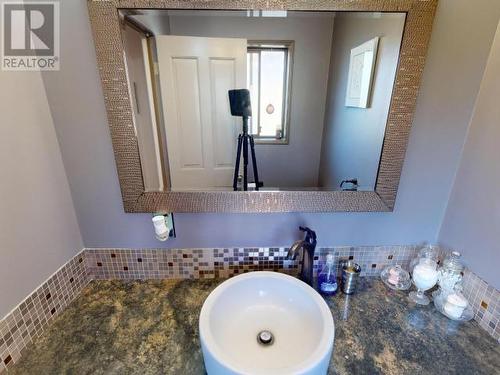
(265, 338)
(353, 185)
(307, 245)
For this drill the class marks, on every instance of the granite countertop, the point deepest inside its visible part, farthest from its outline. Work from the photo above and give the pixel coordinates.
(151, 327)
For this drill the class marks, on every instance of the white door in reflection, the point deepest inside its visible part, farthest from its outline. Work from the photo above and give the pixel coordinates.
(195, 76)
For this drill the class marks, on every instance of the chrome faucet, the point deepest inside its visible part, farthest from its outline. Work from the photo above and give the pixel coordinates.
(306, 260)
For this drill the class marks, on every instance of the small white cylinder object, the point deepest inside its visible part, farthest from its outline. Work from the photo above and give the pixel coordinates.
(161, 229)
(455, 305)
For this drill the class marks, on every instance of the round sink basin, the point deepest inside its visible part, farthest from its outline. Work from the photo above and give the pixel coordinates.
(266, 323)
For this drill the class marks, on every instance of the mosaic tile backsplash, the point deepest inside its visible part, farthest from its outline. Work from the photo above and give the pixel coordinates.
(485, 301)
(31, 316)
(210, 263)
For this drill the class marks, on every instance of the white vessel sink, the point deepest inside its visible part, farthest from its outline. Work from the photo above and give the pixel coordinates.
(266, 323)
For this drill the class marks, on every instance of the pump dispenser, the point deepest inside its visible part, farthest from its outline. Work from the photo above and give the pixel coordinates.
(327, 279)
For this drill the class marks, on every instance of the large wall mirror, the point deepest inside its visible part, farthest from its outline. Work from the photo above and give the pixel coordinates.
(321, 103)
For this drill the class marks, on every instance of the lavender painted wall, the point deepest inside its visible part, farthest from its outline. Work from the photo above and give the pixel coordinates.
(459, 48)
(472, 220)
(353, 137)
(38, 225)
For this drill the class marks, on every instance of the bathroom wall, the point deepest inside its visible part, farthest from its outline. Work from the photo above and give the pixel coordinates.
(295, 164)
(472, 221)
(353, 137)
(38, 227)
(460, 44)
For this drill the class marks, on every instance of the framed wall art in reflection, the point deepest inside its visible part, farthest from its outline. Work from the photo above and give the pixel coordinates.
(361, 72)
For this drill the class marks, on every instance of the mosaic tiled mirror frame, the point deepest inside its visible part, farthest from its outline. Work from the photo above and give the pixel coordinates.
(105, 24)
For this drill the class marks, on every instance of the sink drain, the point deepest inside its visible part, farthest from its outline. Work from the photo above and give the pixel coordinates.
(265, 338)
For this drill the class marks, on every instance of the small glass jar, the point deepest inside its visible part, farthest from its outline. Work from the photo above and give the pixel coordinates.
(425, 276)
(427, 252)
(454, 305)
(450, 274)
(396, 277)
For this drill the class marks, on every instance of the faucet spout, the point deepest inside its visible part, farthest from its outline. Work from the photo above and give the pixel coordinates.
(306, 248)
(294, 250)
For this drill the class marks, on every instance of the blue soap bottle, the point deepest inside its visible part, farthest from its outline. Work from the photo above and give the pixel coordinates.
(327, 279)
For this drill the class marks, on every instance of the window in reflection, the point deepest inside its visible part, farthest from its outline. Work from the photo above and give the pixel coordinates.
(268, 74)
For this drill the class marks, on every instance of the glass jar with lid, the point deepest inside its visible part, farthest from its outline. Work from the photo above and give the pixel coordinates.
(396, 277)
(427, 252)
(450, 275)
(454, 304)
(451, 272)
(425, 276)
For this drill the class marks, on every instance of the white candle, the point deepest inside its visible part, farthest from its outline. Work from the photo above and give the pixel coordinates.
(455, 305)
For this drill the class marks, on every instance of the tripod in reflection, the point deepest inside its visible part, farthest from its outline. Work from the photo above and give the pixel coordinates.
(240, 106)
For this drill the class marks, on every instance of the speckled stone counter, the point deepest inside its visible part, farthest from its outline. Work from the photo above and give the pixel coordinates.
(151, 327)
